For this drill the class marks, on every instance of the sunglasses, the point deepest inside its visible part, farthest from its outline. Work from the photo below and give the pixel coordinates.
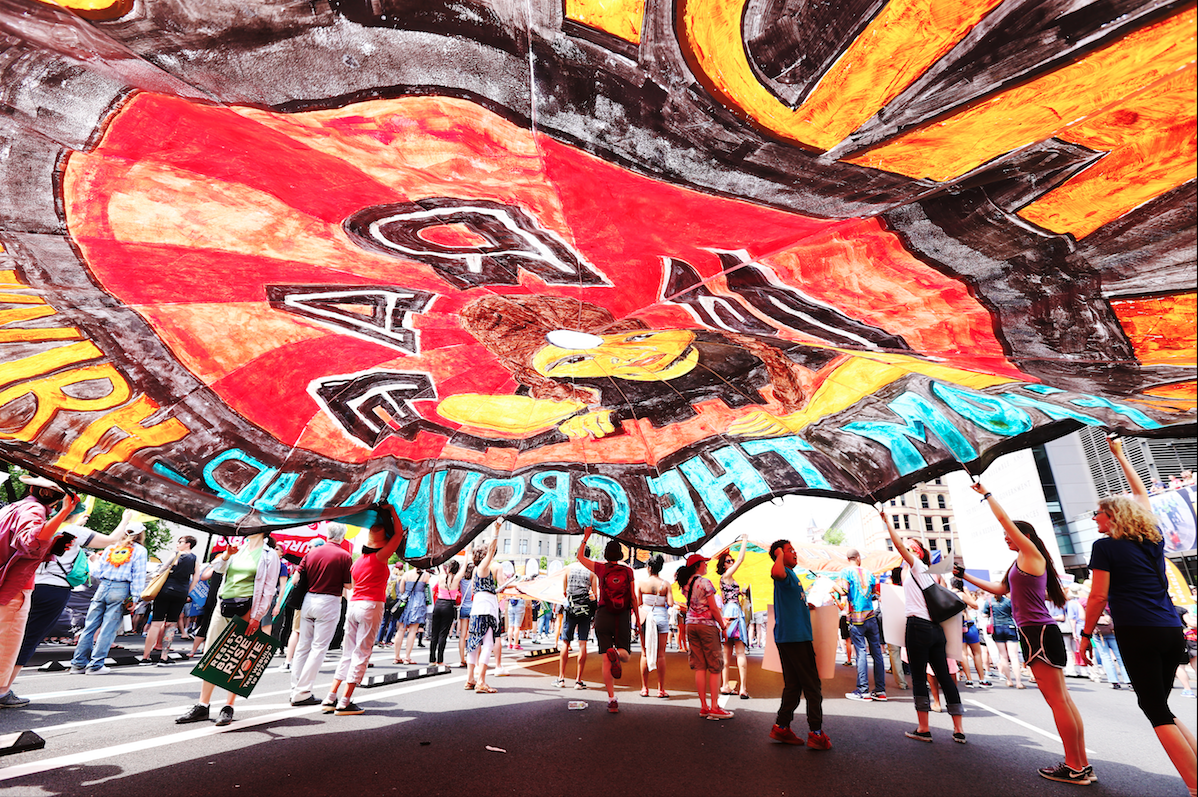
(1096, 513)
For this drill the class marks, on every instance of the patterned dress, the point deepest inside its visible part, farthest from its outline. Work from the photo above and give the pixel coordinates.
(480, 624)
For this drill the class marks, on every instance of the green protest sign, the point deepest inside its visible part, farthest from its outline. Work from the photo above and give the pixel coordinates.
(236, 660)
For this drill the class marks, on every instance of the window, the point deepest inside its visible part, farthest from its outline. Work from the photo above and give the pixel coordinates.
(940, 502)
(894, 502)
(932, 544)
(937, 481)
(507, 544)
(923, 501)
(540, 549)
(896, 523)
(523, 546)
(907, 522)
(559, 547)
(944, 525)
(903, 500)
(927, 524)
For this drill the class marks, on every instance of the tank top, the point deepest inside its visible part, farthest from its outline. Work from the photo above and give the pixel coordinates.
(1028, 594)
(578, 584)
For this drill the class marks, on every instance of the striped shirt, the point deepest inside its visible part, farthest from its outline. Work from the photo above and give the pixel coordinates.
(131, 569)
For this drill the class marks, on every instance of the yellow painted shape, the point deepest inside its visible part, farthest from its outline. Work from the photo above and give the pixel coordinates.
(1152, 146)
(20, 298)
(898, 46)
(94, 9)
(1040, 108)
(47, 362)
(1162, 329)
(51, 397)
(128, 420)
(20, 314)
(507, 414)
(1179, 397)
(900, 43)
(858, 377)
(620, 18)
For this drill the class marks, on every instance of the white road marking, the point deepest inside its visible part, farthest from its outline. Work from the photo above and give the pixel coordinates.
(1020, 722)
(87, 756)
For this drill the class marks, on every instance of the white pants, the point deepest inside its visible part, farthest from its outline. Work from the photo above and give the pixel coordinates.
(318, 623)
(362, 621)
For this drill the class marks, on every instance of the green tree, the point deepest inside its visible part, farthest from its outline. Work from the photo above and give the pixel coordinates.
(834, 537)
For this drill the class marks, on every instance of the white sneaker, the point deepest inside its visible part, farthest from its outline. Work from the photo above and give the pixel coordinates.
(101, 670)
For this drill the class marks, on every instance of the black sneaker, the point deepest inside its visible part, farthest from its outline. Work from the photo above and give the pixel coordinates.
(225, 717)
(196, 713)
(349, 709)
(329, 705)
(310, 700)
(1063, 773)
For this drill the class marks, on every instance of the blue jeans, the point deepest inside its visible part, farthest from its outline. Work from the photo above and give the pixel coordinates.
(1106, 650)
(104, 614)
(546, 616)
(862, 634)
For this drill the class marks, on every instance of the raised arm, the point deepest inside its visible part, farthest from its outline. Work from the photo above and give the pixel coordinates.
(1030, 560)
(582, 557)
(895, 540)
(392, 545)
(744, 545)
(484, 567)
(1138, 491)
(69, 502)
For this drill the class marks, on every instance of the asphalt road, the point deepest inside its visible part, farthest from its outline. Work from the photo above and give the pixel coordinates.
(114, 735)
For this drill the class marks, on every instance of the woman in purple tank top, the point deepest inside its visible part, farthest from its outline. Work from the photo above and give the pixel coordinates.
(1032, 581)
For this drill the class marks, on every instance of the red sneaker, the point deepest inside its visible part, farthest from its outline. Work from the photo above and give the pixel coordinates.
(818, 740)
(784, 735)
(717, 713)
(617, 669)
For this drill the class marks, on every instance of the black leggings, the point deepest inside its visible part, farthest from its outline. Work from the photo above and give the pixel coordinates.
(445, 614)
(926, 646)
(1150, 656)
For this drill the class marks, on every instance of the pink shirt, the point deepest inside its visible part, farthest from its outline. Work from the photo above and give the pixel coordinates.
(370, 579)
(20, 549)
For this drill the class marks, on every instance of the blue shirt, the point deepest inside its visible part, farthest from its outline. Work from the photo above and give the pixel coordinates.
(861, 590)
(792, 618)
(123, 562)
(1138, 594)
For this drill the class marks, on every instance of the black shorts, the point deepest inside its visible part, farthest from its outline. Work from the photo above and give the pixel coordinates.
(1043, 643)
(167, 608)
(613, 629)
(572, 622)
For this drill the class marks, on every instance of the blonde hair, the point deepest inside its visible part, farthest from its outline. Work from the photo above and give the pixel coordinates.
(1129, 520)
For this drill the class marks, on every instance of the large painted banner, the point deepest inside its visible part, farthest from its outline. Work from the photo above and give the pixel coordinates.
(634, 266)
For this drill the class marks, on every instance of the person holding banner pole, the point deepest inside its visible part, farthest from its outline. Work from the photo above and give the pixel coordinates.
(926, 644)
(247, 591)
(1031, 581)
(362, 619)
(1127, 568)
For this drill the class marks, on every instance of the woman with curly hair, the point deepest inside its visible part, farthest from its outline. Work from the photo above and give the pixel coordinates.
(1127, 568)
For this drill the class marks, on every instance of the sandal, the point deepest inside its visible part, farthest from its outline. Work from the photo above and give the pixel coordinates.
(644, 693)
(726, 692)
(662, 693)
(485, 689)
(470, 686)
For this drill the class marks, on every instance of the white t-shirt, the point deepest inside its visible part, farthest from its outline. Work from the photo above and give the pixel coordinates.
(53, 571)
(915, 578)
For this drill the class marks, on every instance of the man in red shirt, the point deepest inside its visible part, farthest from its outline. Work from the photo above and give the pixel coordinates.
(327, 570)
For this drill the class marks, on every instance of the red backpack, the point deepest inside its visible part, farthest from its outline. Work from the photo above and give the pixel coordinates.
(615, 590)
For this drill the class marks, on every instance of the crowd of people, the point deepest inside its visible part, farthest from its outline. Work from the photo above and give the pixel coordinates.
(1121, 623)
